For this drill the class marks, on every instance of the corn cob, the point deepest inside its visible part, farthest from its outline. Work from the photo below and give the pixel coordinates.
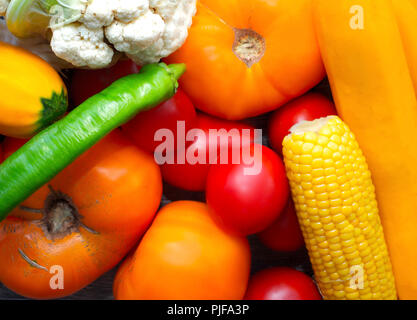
(335, 202)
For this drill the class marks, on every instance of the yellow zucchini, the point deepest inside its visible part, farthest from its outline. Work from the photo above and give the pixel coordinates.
(406, 13)
(32, 93)
(367, 67)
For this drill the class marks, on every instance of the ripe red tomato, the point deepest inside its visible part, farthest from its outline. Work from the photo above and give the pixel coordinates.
(282, 284)
(306, 108)
(86, 83)
(284, 234)
(143, 127)
(248, 203)
(193, 177)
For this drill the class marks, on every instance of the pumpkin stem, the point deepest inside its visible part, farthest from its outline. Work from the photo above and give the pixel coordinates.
(249, 46)
(61, 216)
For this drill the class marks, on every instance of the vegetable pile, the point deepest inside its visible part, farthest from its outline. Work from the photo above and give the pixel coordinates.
(161, 166)
(56, 147)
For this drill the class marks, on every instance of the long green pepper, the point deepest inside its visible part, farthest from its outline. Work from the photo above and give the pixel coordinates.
(49, 152)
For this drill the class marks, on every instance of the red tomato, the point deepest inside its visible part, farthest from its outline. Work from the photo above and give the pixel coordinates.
(86, 83)
(306, 108)
(193, 177)
(143, 127)
(248, 203)
(285, 233)
(282, 284)
(11, 145)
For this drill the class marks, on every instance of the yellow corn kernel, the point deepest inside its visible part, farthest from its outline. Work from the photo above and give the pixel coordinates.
(346, 243)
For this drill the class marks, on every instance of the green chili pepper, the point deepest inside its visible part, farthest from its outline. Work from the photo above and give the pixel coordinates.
(49, 152)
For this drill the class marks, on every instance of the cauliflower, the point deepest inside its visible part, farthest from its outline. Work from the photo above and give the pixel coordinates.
(126, 38)
(81, 46)
(3, 6)
(144, 30)
(95, 33)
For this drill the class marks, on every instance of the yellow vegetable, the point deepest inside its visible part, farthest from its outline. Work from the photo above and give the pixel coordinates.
(406, 14)
(374, 95)
(335, 202)
(32, 93)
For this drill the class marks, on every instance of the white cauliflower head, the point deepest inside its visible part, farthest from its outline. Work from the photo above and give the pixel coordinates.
(144, 30)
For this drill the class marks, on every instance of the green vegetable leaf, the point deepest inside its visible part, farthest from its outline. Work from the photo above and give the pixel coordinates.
(53, 108)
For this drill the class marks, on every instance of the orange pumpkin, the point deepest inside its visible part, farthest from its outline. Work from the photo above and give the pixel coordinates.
(185, 255)
(248, 57)
(82, 223)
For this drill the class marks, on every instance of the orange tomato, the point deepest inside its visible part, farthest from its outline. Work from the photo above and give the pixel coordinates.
(185, 255)
(248, 57)
(82, 223)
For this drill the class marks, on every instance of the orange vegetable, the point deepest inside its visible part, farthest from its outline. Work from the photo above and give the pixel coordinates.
(247, 57)
(91, 215)
(185, 255)
(406, 14)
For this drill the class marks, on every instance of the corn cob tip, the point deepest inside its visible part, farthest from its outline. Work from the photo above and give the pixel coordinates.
(311, 126)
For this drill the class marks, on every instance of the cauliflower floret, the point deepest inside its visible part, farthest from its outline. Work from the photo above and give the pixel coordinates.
(3, 6)
(101, 13)
(98, 14)
(178, 15)
(129, 10)
(166, 8)
(137, 35)
(150, 55)
(81, 46)
(177, 25)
